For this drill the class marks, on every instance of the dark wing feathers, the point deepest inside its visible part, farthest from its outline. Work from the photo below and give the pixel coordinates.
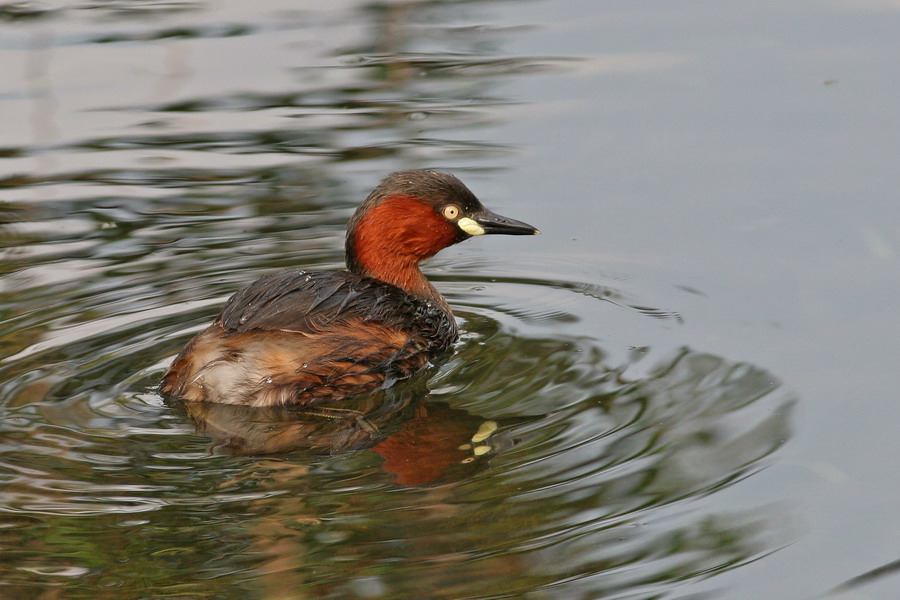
(308, 301)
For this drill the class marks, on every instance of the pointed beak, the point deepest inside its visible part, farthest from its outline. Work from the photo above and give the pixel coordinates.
(487, 222)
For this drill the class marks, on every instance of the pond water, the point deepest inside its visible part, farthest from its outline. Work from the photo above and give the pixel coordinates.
(685, 388)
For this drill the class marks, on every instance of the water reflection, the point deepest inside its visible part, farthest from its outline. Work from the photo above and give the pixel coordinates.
(530, 464)
(421, 443)
(581, 470)
(578, 493)
(689, 427)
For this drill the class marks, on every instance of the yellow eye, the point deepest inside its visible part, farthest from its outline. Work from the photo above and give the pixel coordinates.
(451, 211)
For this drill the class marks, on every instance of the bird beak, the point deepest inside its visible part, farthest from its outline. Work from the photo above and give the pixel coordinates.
(487, 222)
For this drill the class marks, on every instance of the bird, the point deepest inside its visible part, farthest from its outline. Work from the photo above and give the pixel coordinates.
(303, 338)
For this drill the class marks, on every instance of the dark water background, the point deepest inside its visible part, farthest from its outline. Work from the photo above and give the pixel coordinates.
(686, 388)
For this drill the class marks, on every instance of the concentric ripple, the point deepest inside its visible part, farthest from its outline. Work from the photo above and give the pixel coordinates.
(564, 450)
(564, 472)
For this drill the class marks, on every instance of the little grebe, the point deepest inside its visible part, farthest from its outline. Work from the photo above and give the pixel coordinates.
(305, 337)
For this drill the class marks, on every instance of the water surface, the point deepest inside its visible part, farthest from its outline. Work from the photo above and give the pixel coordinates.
(620, 417)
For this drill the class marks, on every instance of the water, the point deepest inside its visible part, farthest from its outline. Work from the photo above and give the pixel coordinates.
(682, 389)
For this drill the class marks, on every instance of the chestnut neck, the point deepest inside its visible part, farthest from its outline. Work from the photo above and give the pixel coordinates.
(388, 240)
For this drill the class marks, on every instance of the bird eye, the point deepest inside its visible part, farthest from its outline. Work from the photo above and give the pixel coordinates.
(451, 211)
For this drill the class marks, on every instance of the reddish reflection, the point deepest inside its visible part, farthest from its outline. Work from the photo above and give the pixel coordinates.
(421, 442)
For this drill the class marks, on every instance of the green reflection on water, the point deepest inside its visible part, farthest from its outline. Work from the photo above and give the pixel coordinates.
(599, 480)
(591, 486)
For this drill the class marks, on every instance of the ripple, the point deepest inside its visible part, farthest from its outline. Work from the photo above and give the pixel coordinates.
(584, 464)
(590, 468)
(548, 457)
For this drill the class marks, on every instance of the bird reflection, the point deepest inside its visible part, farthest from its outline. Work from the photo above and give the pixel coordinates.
(421, 442)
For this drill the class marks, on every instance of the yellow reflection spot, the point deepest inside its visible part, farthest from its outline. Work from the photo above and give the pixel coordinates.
(481, 450)
(484, 431)
(464, 447)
